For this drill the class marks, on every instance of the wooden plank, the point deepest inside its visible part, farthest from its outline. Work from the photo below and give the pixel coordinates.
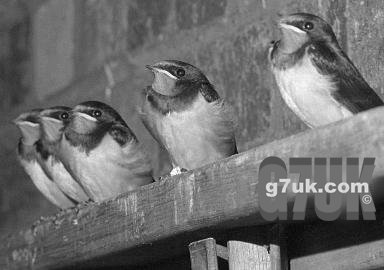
(173, 211)
(364, 256)
(222, 252)
(203, 255)
(337, 245)
(247, 256)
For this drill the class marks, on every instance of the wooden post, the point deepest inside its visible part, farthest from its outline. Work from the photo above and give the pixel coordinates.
(203, 255)
(278, 248)
(246, 256)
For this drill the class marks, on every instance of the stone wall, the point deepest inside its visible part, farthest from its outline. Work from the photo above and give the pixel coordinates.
(227, 39)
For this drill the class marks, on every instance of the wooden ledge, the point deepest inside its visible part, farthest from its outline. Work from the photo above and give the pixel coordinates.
(174, 211)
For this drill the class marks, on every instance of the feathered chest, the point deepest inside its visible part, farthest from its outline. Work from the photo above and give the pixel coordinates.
(308, 93)
(199, 135)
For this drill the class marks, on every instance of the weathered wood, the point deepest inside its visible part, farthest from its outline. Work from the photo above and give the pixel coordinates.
(364, 256)
(246, 256)
(203, 255)
(222, 252)
(278, 248)
(220, 195)
(337, 245)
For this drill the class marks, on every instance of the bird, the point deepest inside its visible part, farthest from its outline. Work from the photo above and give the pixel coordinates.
(52, 122)
(102, 152)
(317, 80)
(27, 155)
(185, 114)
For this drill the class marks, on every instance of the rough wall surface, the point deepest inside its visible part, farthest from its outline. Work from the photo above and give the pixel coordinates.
(227, 39)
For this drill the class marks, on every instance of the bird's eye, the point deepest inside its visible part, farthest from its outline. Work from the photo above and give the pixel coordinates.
(96, 113)
(64, 115)
(180, 72)
(308, 26)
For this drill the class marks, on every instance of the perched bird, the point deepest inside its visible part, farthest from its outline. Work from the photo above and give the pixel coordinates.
(316, 78)
(185, 114)
(102, 153)
(52, 122)
(28, 157)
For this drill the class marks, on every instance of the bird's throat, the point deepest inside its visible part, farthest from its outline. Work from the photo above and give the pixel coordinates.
(164, 85)
(30, 134)
(53, 131)
(82, 126)
(292, 41)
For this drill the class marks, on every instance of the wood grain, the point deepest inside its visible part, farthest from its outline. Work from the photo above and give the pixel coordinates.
(246, 256)
(278, 248)
(173, 212)
(363, 256)
(203, 255)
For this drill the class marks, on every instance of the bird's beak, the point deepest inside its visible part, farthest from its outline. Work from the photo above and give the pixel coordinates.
(160, 71)
(29, 131)
(52, 127)
(149, 67)
(286, 27)
(84, 116)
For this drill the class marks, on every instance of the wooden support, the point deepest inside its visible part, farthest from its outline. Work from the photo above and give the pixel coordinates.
(203, 255)
(278, 248)
(246, 256)
(363, 256)
(240, 255)
(222, 252)
(337, 245)
(137, 226)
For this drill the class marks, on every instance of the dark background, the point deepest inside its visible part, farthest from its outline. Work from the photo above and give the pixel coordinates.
(57, 52)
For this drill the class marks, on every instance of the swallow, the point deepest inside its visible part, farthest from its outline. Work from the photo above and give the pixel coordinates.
(27, 154)
(102, 152)
(317, 80)
(185, 114)
(52, 122)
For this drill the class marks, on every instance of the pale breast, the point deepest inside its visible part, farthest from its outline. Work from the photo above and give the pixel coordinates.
(45, 185)
(194, 137)
(105, 172)
(64, 180)
(308, 94)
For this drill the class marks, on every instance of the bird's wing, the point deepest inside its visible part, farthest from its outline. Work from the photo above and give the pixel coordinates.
(147, 116)
(353, 91)
(225, 128)
(208, 92)
(135, 159)
(121, 134)
(227, 123)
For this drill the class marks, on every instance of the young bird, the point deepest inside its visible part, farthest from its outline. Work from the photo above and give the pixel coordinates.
(28, 157)
(187, 117)
(102, 153)
(52, 123)
(316, 78)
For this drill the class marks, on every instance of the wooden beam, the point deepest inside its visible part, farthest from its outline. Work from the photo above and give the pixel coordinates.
(278, 248)
(363, 256)
(337, 245)
(203, 255)
(173, 212)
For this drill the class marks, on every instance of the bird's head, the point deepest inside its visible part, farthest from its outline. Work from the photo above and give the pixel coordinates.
(53, 121)
(28, 124)
(86, 117)
(172, 77)
(299, 28)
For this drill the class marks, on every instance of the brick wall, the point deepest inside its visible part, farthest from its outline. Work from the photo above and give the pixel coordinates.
(227, 39)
